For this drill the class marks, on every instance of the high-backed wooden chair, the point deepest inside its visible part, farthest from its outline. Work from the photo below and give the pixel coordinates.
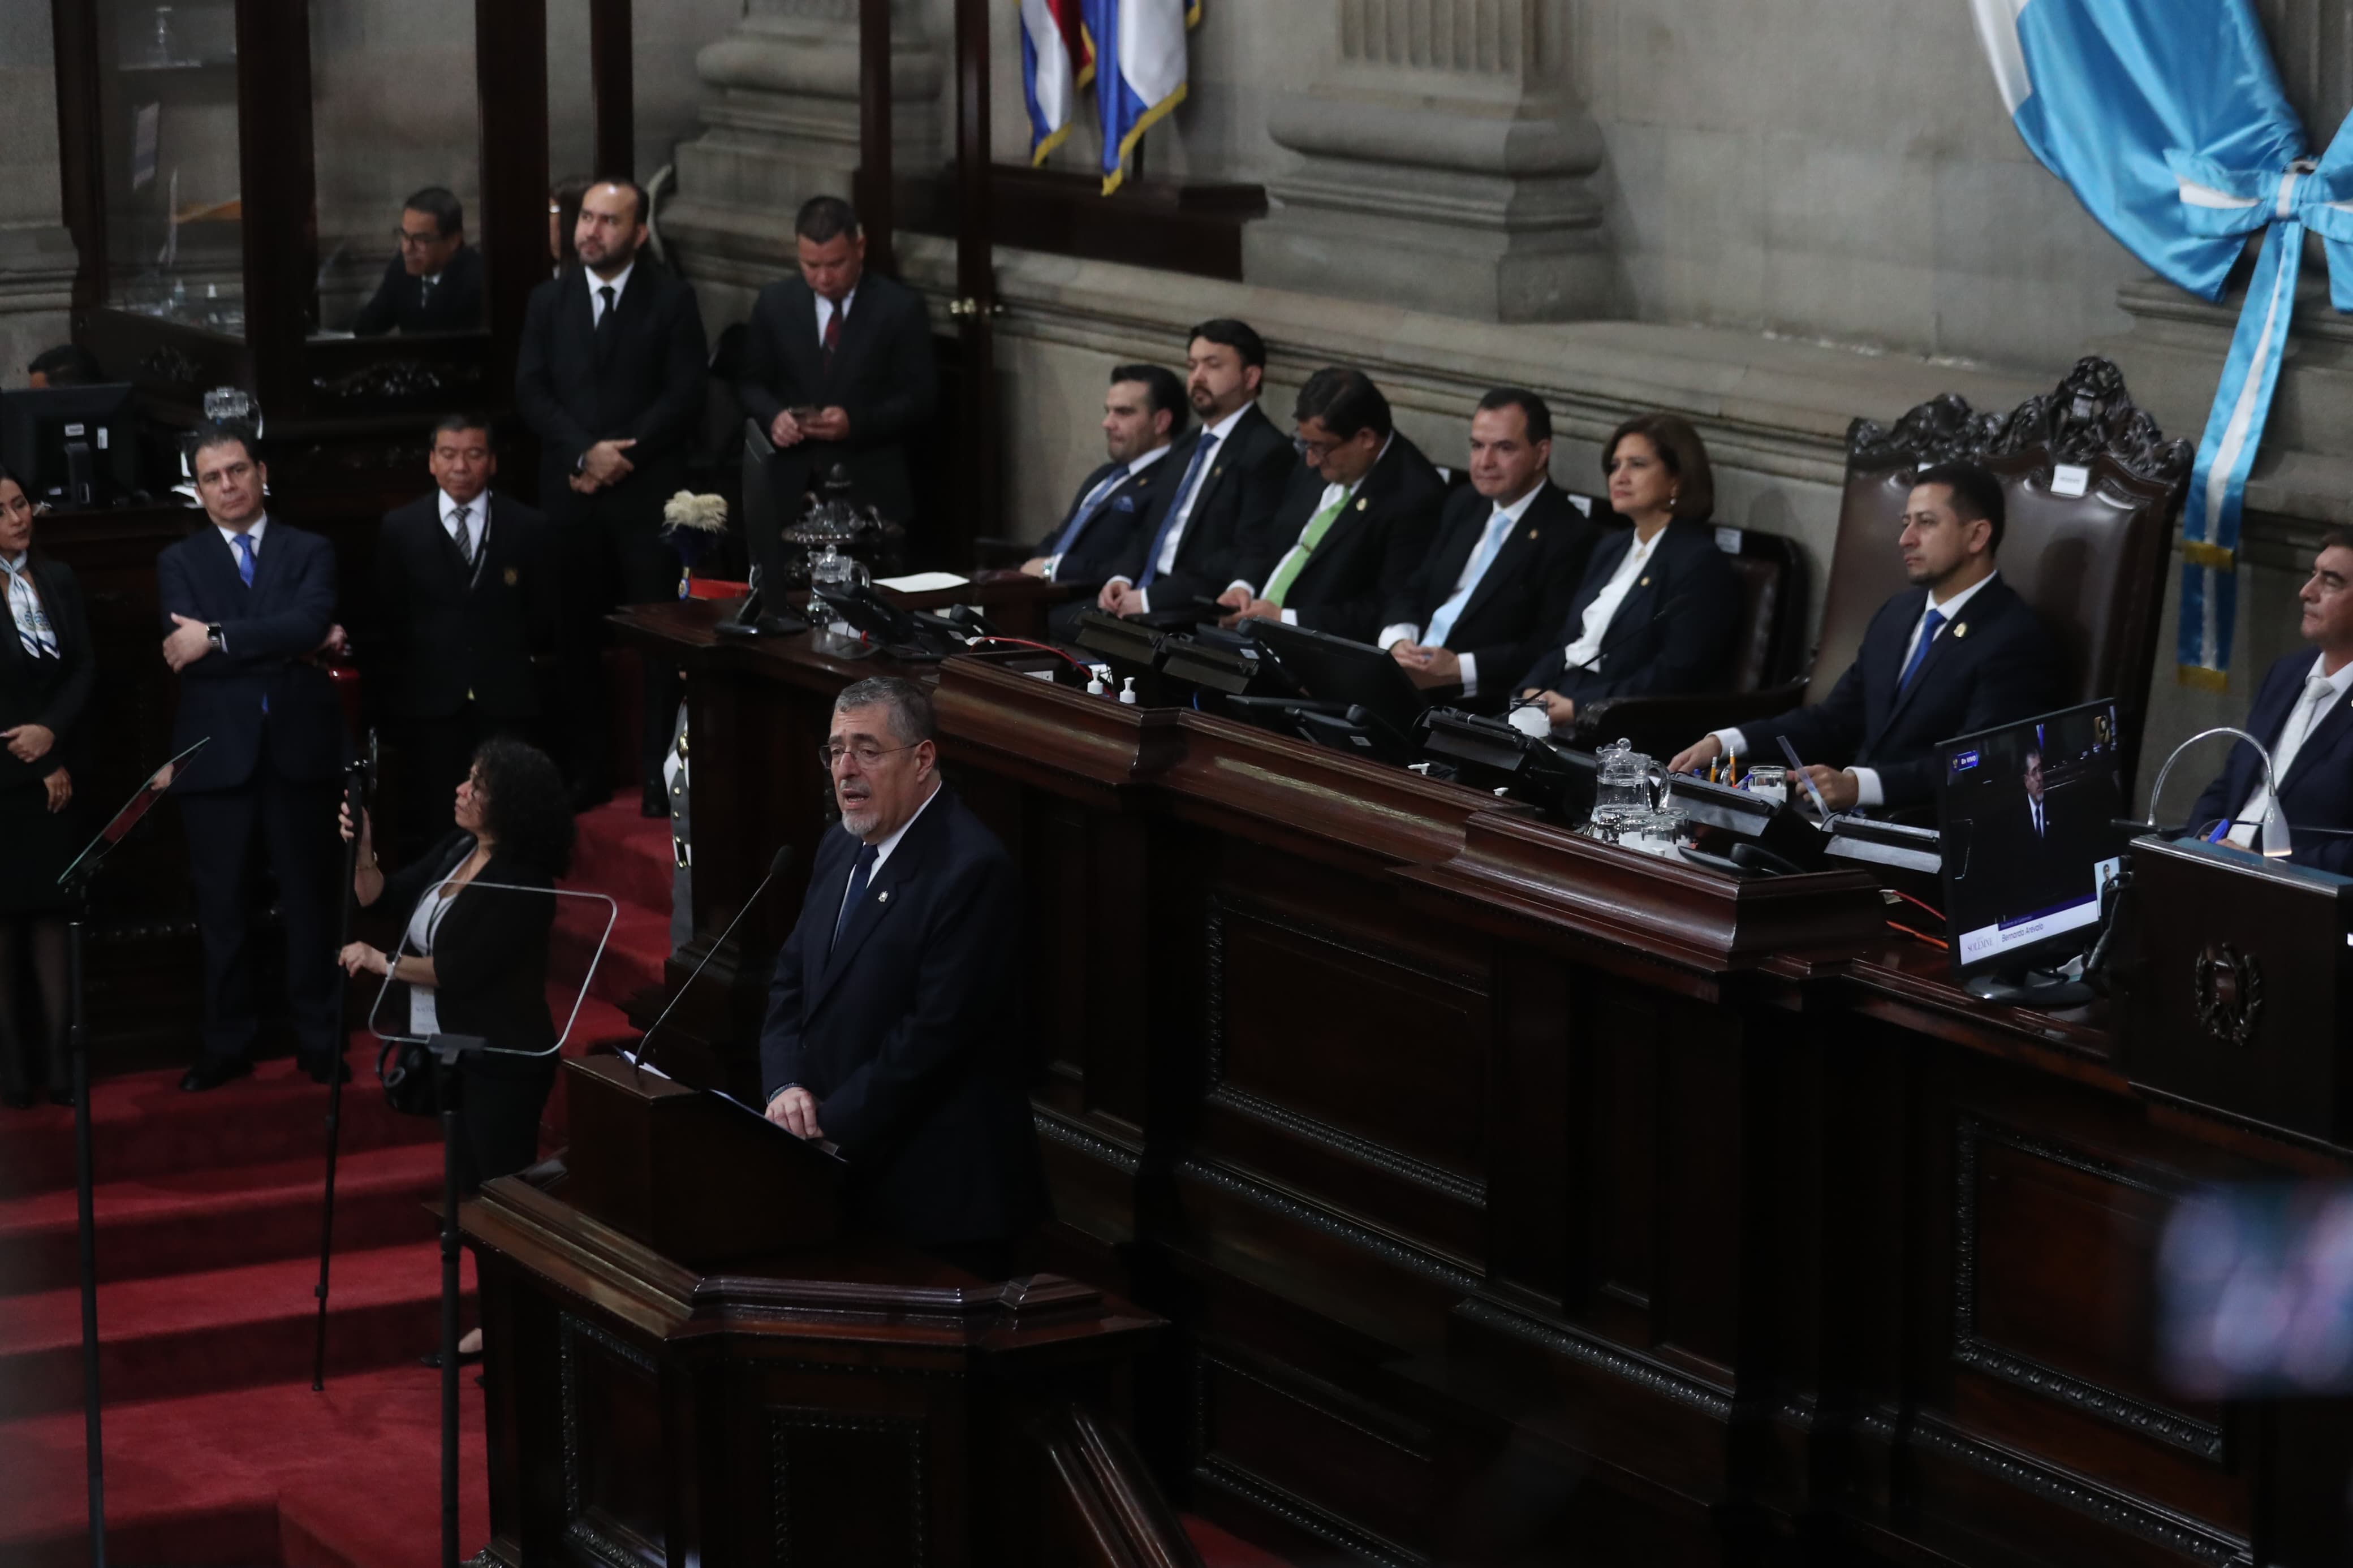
(2092, 564)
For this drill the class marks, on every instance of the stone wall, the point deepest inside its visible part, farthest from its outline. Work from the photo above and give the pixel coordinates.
(36, 256)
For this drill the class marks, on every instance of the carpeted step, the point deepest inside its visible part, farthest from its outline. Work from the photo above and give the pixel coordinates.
(634, 954)
(205, 1219)
(143, 1128)
(224, 1328)
(345, 1479)
(624, 852)
(1221, 1550)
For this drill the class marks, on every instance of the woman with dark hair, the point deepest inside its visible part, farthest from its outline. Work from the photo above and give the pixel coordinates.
(1658, 605)
(47, 667)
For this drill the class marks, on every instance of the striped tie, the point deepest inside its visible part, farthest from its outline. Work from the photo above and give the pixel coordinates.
(33, 628)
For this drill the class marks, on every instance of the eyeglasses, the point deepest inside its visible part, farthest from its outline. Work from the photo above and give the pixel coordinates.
(1315, 451)
(867, 752)
(405, 239)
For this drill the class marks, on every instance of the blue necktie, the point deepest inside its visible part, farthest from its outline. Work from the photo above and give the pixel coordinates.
(859, 870)
(1441, 623)
(1086, 512)
(1177, 505)
(245, 557)
(1929, 627)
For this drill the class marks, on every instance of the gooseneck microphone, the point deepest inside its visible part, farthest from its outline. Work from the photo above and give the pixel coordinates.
(784, 857)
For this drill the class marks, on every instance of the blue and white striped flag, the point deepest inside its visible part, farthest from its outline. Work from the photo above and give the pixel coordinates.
(2167, 120)
(1140, 71)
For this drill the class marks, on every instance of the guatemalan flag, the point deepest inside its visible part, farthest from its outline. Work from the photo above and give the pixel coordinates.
(2167, 120)
(1058, 61)
(1139, 45)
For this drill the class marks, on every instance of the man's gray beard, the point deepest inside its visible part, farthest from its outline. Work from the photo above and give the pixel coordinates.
(860, 822)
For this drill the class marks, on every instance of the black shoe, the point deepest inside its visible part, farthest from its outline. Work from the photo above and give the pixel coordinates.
(326, 1070)
(657, 800)
(212, 1071)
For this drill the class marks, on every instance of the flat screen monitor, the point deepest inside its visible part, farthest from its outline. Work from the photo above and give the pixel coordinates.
(74, 447)
(2028, 815)
(1334, 670)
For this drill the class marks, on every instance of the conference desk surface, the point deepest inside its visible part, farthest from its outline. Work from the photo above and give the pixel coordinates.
(1493, 1174)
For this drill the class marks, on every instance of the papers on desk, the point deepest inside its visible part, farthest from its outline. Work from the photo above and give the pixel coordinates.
(922, 582)
(824, 1145)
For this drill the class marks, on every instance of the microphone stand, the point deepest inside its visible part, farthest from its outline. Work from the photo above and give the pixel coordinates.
(355, 786)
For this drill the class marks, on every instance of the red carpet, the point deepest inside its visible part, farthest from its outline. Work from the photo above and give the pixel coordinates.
(217, 1452)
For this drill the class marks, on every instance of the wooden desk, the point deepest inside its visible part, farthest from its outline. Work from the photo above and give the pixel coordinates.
(1497, 1179)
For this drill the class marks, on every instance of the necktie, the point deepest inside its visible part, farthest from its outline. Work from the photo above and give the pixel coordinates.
(33, 628)
(245, 557)
(832, 336)
(605, 316)
(1933, 623)
(465, 534)
(1086, 512)
(2302, 720)
(1294, 562)
(859, 870)
(1499, 529)
(1177, 504)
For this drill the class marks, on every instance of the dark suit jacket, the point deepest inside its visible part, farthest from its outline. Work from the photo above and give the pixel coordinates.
(1672, 631)
(1521, 596)
(401, 303)
(269, 628)
(1109, 533)
(1368, 554)
(908, 1031)
(2023, 869)
(646, 385)
(490, 955)
(450, 630)
(2318, 789)
(1236, 498)
(1995, 665)
(884, 376)
(56, 700)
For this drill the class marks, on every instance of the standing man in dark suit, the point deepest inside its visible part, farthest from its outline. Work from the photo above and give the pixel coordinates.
(1510, 546)
(1144, 412)
(2304, 716)
(893, 1026)
(839, 368)
(1659, 605)
(1958, 652)
(247, 600)
(610, 376)
(434, 282)
(1231, 478)
(1356, 520)
(467, 590)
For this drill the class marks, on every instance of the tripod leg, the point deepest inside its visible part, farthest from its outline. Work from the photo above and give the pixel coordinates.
(449, 1251)
(93, 1437)
(352, 797)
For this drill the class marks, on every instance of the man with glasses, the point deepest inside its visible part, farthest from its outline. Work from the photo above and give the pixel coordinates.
(434, 282)
(893, 1026)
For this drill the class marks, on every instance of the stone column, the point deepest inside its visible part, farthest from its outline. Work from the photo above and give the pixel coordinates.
(1445, 167)
(36, 255)
(780, 125)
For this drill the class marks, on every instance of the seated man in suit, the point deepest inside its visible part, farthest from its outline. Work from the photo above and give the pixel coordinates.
(1958, 652)
(2302, 715)
(466, 592)
(248, 599)
(1658, 605)
(1356, 520)
(1510, 547)
(1230, 476)
(838, 369)
(1144, 412)
(434, 283)
(893, 1026)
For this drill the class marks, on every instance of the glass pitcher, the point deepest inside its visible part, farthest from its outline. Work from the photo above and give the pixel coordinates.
(829, 568)
(1628, 787)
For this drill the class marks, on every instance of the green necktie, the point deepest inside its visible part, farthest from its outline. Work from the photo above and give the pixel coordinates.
(1292, 564)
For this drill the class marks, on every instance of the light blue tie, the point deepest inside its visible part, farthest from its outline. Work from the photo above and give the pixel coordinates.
(1176, 507)
(1086, 512)
(1929, 627)
(245, 557)
(1490, 546)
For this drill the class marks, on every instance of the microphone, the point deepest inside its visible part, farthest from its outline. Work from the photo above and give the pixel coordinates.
(2276, 843)
(784, 857)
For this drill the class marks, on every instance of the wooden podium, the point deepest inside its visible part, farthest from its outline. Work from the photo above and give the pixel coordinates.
(691, 1359)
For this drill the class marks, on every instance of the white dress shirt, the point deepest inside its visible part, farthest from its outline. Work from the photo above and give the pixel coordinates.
(1167, 560)
(478, 517)
(2322, 691)
(618, 283)
(1135, 467)
(1867, 790)
(1594, 629)
(825, 309)
(1475, 567)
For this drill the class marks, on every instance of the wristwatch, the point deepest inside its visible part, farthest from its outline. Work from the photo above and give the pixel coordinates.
(213, 636)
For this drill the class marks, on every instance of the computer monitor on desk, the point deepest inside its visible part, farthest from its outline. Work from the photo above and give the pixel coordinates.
(2028, 814)
(1337, 671)
(75, 447)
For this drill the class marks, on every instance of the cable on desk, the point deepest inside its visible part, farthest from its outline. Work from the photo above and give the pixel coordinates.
(1935, 941)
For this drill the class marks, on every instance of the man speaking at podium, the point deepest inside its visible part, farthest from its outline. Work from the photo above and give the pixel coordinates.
(893, 1026)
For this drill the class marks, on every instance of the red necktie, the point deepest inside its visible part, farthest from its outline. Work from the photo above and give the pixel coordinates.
(832, 337)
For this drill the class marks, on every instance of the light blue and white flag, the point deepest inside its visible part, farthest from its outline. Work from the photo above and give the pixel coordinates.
(1140, 71)
(2165, 119)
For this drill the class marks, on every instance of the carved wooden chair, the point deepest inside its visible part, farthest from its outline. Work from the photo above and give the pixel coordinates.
(2092, 564)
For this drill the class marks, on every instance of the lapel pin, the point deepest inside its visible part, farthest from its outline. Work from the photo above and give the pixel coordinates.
(1961, 630)
(1532, 533)
(512, 576)
(883, 897)
(1220, 469)
(1360, 503)
(1643, 584)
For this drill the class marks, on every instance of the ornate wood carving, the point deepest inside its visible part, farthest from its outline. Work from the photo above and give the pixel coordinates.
(2086, 416)
(832, 1472)
(1411, 1259)
(583, 1526)
(2229, 988)
(1601, 1356)
(169, 363)
(401, 380)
